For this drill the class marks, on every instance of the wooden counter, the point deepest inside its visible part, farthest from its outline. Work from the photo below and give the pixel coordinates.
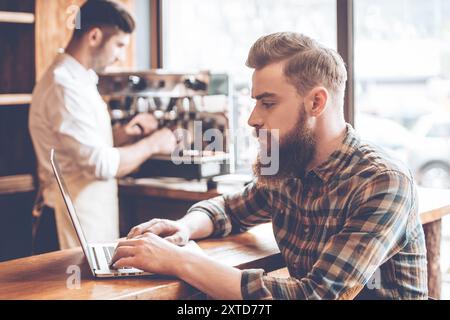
(151, 198)
(46, 277)
(177, 189)
(433, 203)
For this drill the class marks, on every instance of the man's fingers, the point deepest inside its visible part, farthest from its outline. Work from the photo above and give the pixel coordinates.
(140, 229)
(176, 239)
(129, 262)
(135, 130)
(146, 236)
(123, 252)
(146, 122)
(150, 127)
(162, 228)
(129, 243)
(158, 228)
(134, 232)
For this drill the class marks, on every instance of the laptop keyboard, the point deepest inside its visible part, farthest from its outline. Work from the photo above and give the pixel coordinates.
(109, 253)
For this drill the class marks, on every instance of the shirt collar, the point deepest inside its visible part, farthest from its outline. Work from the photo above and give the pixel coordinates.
(339, 158)
(77, 70)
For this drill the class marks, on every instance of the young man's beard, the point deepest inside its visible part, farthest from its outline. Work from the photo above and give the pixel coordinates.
(100, 57)
(296, 151)
(99, 63)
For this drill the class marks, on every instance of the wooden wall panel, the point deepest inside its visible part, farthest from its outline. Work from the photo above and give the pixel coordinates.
(52, 32)
(15, 143)
(17, 58)
(15, 225)
(17, 5)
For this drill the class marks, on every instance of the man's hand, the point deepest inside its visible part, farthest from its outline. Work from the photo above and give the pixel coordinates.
(132, 156)
(148, 252)
(162, 142)
(173, 231)
(142, 125)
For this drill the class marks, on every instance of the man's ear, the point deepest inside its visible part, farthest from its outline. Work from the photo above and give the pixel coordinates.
(95, 37)
(316, 101)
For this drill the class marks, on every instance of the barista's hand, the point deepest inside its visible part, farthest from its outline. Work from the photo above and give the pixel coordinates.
(162, 142)
(173, 231)
(141, 125)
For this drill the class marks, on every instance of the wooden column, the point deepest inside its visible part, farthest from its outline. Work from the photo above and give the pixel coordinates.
(53, 32)
(433, 242)
(156, 34)
(345, 38)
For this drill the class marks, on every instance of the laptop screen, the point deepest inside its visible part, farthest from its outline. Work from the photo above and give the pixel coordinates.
(70, 207)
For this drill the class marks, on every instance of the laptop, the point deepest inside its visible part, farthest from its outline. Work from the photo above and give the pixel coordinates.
(98, 255)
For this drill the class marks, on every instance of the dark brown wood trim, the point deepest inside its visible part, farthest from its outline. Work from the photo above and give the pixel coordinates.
(156, 34)
(17, 184)
(345, 39)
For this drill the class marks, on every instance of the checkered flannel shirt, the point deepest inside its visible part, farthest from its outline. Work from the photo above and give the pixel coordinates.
(347, 228)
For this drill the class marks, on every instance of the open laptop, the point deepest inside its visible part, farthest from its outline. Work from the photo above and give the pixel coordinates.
(98, 255)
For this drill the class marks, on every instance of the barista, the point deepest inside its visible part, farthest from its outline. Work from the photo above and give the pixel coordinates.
(69, 115)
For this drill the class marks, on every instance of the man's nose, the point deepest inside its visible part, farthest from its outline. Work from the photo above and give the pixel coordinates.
(255, 120)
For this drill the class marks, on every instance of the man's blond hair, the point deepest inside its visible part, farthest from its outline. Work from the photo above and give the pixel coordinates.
(308, 64)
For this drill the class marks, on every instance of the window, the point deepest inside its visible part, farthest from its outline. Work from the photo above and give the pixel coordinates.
(216, 35)
(439, 131)
(402, 73)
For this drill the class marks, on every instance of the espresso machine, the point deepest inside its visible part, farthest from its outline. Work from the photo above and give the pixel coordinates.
(195, 106)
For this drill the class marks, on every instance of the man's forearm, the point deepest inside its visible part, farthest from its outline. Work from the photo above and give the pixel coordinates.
(199, 225)
(217, 280)
(131, 157)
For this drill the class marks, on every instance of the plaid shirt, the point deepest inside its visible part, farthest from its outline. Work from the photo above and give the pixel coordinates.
(348, 227)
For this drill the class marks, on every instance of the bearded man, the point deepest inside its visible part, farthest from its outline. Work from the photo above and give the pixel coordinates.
(344, 215)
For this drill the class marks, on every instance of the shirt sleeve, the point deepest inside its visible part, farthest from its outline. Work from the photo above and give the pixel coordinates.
(381, 214)
(80, 136)
(237, 212)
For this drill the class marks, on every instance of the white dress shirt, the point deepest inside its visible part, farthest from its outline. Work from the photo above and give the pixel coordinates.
(68, 114)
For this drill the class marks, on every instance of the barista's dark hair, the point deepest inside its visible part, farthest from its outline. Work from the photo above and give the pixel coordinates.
(104, 14)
